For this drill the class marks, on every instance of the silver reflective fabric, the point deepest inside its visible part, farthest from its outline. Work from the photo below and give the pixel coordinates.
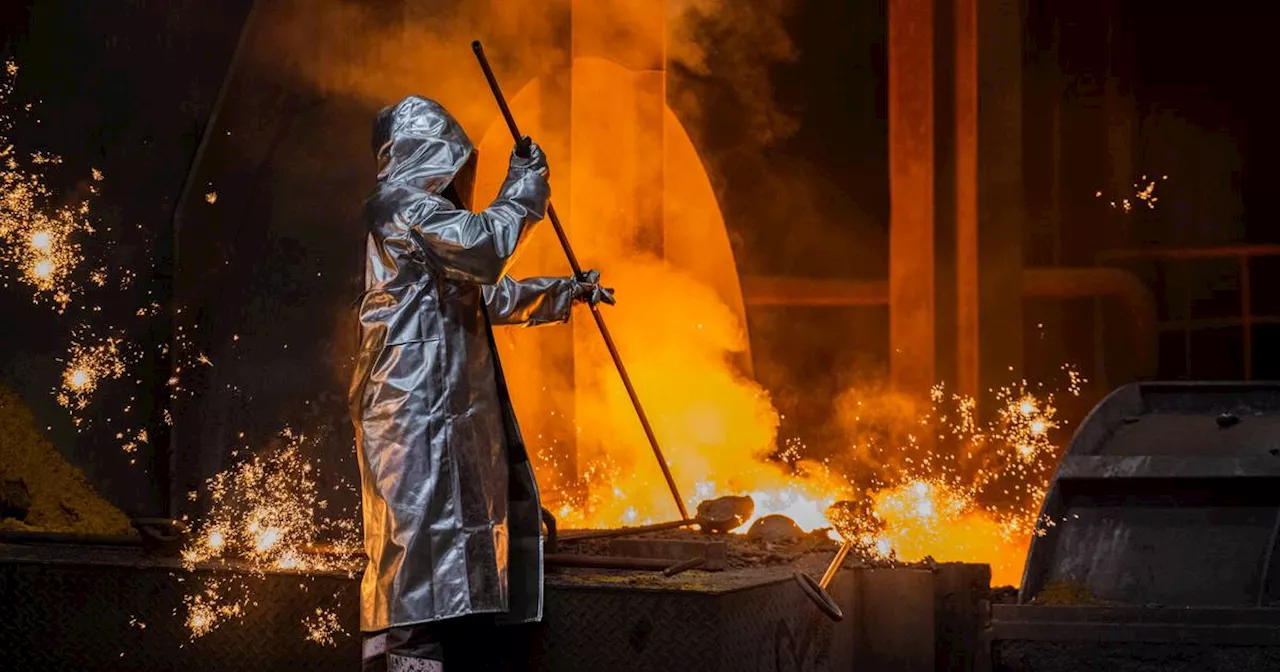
(401, 664)
(451, 509)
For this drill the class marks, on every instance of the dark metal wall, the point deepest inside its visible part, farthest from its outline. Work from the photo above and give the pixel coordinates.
(267, 272)
(124, 86)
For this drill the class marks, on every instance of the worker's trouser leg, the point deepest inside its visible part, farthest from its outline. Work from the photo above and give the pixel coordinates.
(467, 643)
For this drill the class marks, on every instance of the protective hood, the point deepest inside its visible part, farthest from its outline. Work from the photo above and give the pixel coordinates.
(418, 142)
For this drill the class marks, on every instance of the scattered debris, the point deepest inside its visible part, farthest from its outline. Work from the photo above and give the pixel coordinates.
(775, 529)
(856, 521)
(1004, 595)
(725, 514)
(1067, 593)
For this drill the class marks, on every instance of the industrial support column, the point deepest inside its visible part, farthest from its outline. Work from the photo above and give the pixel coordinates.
(1001, 212)
(968, 309)
(956, 194)
(911, 197)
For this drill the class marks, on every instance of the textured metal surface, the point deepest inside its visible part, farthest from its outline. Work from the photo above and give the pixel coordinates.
(1217, 627)
(1166, 510)
(102, 616)
(715, 552)
(83, 609)
(897, 619)
(1169, 494)
(961, 614)
(1020, 656)
(766, 627)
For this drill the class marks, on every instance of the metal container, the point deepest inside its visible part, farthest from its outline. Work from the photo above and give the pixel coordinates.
(1159, 541)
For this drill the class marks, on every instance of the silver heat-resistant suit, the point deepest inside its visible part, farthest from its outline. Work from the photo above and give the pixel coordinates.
(451, 510)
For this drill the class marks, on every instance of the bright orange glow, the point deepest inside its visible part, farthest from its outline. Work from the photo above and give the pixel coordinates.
(932, 518)
(267, 512)
(41, 241)
(679, 324)
(680, 327)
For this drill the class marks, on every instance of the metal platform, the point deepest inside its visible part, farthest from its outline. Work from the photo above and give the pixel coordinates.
(700, 621)
(1124, 639)
(95, 608)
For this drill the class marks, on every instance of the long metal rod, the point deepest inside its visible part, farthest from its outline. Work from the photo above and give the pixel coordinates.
(1191, 252)
(570, 535)
(835, 565)
(1246, 317)
(685, 565)
(522, 149)
(605, 562)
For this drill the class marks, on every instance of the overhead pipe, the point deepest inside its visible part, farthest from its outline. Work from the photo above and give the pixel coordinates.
(1037, 283)
(788, 292)
(1117, 284)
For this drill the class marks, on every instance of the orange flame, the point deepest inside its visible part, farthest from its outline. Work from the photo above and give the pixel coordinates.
(680, 328)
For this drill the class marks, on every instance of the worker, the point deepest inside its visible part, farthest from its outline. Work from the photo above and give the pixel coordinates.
(452, 519)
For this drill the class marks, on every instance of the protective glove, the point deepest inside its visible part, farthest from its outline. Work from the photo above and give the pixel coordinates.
(588, 290)
(536, 161)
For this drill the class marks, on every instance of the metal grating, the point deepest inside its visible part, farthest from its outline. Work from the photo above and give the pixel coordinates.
(766, 627)
(69, 617)
(73, 608)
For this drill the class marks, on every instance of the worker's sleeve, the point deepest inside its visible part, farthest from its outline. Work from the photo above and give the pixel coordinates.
(478, 248)
(530, 302)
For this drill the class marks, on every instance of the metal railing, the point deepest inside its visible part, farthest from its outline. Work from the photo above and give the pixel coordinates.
(1055, 283)
(1188, 325)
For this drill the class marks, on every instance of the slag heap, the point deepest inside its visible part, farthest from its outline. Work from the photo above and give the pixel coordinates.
(58, 497)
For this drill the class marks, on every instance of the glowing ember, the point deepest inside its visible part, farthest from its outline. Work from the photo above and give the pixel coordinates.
(971, 494)
(43, 269)
(207, 609)
(323, 627)
(940, 520)
(289, 560)
(38, 239)
(41, 241)
(79, 379)
(265, 513)
(40, 248)
(86, 367)
(266, 539)
(1144, 191)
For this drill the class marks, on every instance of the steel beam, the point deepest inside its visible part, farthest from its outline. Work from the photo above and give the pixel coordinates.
(911, 196)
